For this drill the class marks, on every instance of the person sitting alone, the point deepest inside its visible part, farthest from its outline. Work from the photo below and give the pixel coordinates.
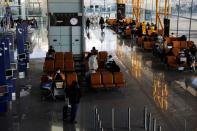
(59, 75)
(113, 67)
(94, 51)
(50, 53)
(172, 35)
(109, 61)
(191, 61)
(192, 49)
(51, 50)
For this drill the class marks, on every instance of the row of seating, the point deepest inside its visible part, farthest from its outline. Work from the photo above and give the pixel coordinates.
(52, 65)
(102, 55)
(107, 80)
(181, 44)
(128, 31)
(68, 79)
(177, 43)
(112, 22)
(62, 60)
(67, 56)
(172, 62)
(148, 45)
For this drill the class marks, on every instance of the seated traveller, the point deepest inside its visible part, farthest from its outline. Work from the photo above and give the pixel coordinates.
(181, 58)
(147, 26)
(94, 51)
(51, 50)
(172, 35)
(113, 67)
(34, 23)
(183, 38)
(109, 59)
(59, 75)
(157, 51)
(193, 50)
(109, 62)
(50, 53)
(160, 39)
(191, 61)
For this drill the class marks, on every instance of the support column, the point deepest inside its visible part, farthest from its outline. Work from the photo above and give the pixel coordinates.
(120, 9)
(157, 11)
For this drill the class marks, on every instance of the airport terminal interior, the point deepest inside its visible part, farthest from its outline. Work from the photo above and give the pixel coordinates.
(134, 63)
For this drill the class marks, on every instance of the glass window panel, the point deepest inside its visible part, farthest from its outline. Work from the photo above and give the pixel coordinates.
(193, 32)
(185, 6)
(175, 6)
(173, 24)
(194, 9)
(184, 26)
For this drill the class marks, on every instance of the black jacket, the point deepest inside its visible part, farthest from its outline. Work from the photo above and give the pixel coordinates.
(75, 95)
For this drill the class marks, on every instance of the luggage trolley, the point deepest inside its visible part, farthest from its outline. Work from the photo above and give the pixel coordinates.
(46, 87)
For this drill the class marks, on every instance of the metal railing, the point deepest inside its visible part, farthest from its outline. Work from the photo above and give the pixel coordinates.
(149, 122)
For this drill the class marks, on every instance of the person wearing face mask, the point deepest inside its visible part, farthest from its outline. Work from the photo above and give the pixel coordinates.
(59, 75)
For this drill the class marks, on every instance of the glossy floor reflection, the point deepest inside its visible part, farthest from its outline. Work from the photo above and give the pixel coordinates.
(102, 41)
(40, 43)
(160, 85)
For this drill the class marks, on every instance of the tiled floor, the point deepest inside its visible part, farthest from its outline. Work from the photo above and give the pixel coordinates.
(171, 105)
